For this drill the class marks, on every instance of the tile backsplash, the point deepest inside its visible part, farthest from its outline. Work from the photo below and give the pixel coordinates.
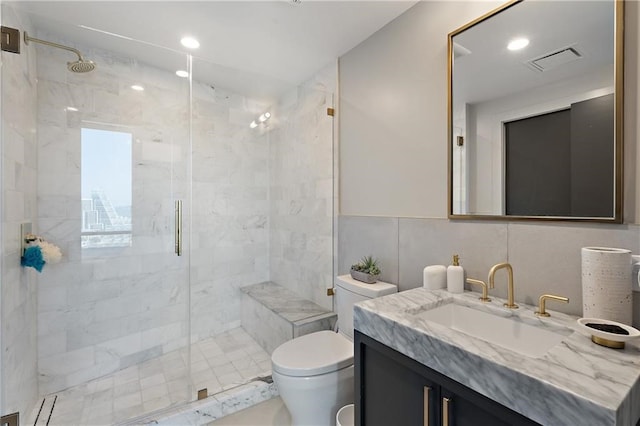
(545, 256)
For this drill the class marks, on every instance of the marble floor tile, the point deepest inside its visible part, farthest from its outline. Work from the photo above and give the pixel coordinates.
(107, 419)
(127, 401)
(127, 375)
(196, 356)
(224, 369)
(150, 371)
(154, 380)
(219, 363)
(100, 397)
(155, 392)
(105, 383)
(129, 387)
(103, 409)
(197, 367)
(175, 373)
(156, 404)
(231, 379)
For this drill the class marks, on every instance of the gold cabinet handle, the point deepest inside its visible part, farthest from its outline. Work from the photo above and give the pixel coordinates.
(178, 227)
(445, 411)
(427, 409)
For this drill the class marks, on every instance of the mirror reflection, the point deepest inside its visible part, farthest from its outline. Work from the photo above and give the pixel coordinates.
(533, 113)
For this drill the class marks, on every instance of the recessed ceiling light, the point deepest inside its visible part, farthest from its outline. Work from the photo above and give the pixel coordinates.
(182, 73)
(190, 42)
(73, 109)
(137, 87)
(253, 124)
(518, 43)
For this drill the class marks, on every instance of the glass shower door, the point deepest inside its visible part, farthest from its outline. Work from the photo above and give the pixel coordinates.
(96, 162)
(18, 289)
(132, 295)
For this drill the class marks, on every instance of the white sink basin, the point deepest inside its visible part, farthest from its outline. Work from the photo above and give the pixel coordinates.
(523, 338)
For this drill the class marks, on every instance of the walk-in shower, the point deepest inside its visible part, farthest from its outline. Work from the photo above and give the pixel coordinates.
(81, 65)
(122, 327)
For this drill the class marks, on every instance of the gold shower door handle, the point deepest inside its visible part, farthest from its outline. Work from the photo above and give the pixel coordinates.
(445, 411)
(178, 228)
(427, 409)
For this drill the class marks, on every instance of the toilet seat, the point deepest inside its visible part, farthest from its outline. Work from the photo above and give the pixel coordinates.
(313, 354)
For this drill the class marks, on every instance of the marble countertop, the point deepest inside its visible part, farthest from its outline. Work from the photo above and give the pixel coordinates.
(575, 383)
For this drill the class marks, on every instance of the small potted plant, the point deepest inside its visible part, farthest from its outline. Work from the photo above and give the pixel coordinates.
(366, 270)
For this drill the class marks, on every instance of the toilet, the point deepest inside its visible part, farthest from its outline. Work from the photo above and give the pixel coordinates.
(314, 372)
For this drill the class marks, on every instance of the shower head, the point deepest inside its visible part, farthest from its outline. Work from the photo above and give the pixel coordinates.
(79, 66)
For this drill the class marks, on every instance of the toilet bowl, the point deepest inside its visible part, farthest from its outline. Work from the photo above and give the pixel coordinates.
(314, 372)
(314, 375)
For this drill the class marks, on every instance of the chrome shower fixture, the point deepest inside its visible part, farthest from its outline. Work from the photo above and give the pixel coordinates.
(80, 66)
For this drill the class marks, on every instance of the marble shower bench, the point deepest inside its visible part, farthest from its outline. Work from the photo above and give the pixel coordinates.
(272, 315)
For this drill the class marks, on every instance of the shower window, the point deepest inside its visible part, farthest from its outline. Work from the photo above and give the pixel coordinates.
(106, 188)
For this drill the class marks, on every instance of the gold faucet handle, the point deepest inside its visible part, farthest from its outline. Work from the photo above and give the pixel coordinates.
(541, 312)
(484, 296)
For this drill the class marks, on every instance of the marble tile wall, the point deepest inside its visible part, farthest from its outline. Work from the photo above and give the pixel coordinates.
(101, 310)
(273, 314)
(267, 328)
(301, 190)
(545, 257)
(230, 243)
(18, 312)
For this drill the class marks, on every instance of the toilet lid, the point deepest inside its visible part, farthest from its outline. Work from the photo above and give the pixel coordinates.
(313, 354)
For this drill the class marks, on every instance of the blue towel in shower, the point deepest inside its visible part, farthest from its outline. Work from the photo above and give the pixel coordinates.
(33, 257)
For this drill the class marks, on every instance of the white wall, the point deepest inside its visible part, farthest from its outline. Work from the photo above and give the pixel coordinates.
(393, 114)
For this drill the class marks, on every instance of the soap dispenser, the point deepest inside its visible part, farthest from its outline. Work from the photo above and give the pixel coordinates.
(455, 276)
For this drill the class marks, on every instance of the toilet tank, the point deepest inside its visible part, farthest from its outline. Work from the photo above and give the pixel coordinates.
(350, 291)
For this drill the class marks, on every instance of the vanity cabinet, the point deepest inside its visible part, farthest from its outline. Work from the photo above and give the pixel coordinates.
(393, 389)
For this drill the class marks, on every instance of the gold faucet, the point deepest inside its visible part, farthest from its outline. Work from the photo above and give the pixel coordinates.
(541, 312)
(485, 297)
(510, 303)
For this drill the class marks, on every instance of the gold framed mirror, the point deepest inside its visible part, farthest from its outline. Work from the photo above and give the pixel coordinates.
(535, 107)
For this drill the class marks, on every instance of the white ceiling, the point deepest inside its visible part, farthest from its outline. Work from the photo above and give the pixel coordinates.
(490, 71)
(246, 46)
